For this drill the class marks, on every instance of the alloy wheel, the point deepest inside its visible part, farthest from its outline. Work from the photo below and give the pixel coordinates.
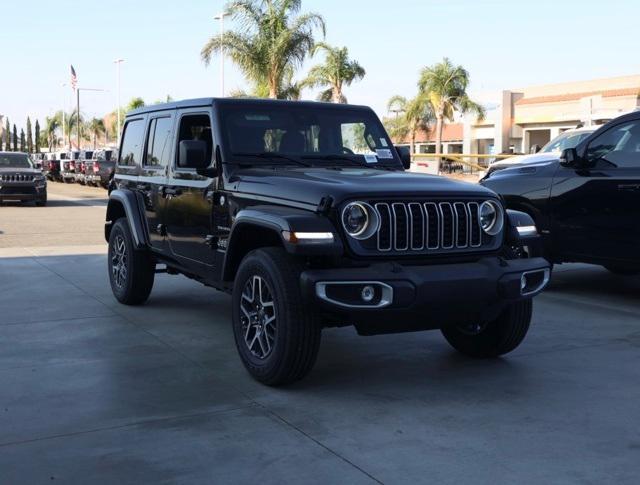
(258, 317)
(119, 261)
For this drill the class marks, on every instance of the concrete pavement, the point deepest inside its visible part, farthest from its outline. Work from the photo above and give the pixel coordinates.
(96, 392)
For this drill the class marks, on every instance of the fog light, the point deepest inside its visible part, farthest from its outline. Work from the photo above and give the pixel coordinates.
(368, 294)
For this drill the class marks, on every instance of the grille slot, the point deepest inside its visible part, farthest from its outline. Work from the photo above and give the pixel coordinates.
(19, 177)
(436, 226)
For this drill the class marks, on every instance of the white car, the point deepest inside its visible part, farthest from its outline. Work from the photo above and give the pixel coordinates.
(551, 151)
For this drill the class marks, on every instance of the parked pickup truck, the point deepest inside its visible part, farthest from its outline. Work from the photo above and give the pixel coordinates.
(68, 166)
(52, 162)
(100, 171)
(86, 157)
(304, 213)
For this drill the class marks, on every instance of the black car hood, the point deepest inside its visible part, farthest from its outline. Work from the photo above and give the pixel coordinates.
(310, 185)
(18, 170)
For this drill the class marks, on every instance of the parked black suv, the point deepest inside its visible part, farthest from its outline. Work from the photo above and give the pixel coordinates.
(20, 180)
(304, 213)
(586, 204)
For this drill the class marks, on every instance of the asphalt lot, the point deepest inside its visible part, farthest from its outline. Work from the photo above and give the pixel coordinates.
(95, 392)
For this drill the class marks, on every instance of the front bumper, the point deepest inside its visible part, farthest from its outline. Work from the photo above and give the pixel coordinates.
(22, 192)
(423, 297)
(68, 175)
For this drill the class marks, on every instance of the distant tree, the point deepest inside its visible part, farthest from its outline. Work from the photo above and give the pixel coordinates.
(37, 136)
(29, 136)
(272, 38)
(412, 115)
(52, 125)
(445, 84)
(7, 136)
(336, 72)
(15, 138)
(23, 140)
(135, 103)
(96, 128)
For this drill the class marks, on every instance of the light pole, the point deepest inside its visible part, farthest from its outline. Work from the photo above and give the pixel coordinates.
(221, 17)
(117, 62)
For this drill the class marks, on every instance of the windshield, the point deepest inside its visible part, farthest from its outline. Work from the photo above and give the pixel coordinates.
(564, 141)
(15, 160)
(322, 135)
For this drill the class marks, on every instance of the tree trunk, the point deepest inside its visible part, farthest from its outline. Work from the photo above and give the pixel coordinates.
(273, 90)
(412, 146)
(439, 128)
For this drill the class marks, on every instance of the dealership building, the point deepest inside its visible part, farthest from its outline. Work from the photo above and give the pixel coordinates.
(519, 119)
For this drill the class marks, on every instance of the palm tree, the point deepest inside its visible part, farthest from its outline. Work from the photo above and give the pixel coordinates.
(52, 125)
(96, 128)
(135, 103)
(445, 84)
(411, 115)
(336, 72)
(271, 40)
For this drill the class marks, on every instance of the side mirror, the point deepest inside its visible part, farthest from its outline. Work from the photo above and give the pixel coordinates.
(534, 149)
(569, 157)
(405, 156)
(193, 154)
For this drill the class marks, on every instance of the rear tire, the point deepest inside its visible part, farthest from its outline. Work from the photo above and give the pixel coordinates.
(495, 338)
(276, 337)
(131, 271)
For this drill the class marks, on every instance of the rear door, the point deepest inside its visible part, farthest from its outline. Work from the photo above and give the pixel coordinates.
(154, 172)
(597, 209)
(189, 196)
(130, 159)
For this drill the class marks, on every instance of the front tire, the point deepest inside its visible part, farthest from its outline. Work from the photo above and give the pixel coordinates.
(276, 338)
(42, 201)
(131, 271)
(495, 338)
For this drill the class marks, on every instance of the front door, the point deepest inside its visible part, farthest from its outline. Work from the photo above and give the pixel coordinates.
(189, 196)
(597, 209)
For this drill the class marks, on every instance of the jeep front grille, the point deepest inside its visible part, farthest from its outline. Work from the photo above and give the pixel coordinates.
(428, 226)
(16, 177)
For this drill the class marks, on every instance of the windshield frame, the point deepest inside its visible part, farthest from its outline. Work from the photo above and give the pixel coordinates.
(316, 159)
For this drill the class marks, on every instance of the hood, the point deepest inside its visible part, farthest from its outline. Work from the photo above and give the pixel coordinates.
(526, 159)
(12, 170)
(310, 185)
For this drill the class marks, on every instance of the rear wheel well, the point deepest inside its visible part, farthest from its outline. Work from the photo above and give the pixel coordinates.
(115, 211)
(245, 239)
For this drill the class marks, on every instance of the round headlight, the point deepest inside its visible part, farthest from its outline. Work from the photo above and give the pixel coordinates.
(360, 220)
(491, 218)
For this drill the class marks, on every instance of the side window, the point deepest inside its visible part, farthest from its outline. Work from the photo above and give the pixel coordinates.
(196, 127)
(159, 142)
(132, 142)
(618, 146)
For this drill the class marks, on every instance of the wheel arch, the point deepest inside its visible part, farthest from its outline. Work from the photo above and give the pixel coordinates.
(123, 204)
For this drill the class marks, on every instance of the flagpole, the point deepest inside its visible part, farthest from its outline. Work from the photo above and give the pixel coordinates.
(78, 115)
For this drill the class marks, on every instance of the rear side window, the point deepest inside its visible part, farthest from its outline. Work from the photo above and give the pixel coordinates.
(159, 142)
(132, 142)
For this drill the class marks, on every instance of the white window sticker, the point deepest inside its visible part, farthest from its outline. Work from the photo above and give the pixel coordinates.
(384, 153)
(371, 159)
(383, 142)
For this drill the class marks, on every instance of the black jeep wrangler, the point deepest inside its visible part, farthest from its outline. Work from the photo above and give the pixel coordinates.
(304, 213)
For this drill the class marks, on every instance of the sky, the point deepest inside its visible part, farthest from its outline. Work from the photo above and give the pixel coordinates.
(503, 44)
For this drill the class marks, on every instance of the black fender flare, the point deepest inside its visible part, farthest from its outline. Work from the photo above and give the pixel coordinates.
(278, 222)
(124, 203)
(519, 227)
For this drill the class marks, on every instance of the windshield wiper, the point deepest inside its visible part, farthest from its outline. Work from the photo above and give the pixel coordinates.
(270, 156)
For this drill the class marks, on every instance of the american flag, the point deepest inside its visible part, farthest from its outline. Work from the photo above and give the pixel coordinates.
(74, 78)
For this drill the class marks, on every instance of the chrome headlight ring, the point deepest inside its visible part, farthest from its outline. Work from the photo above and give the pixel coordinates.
(491, 217)
(368, 224)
